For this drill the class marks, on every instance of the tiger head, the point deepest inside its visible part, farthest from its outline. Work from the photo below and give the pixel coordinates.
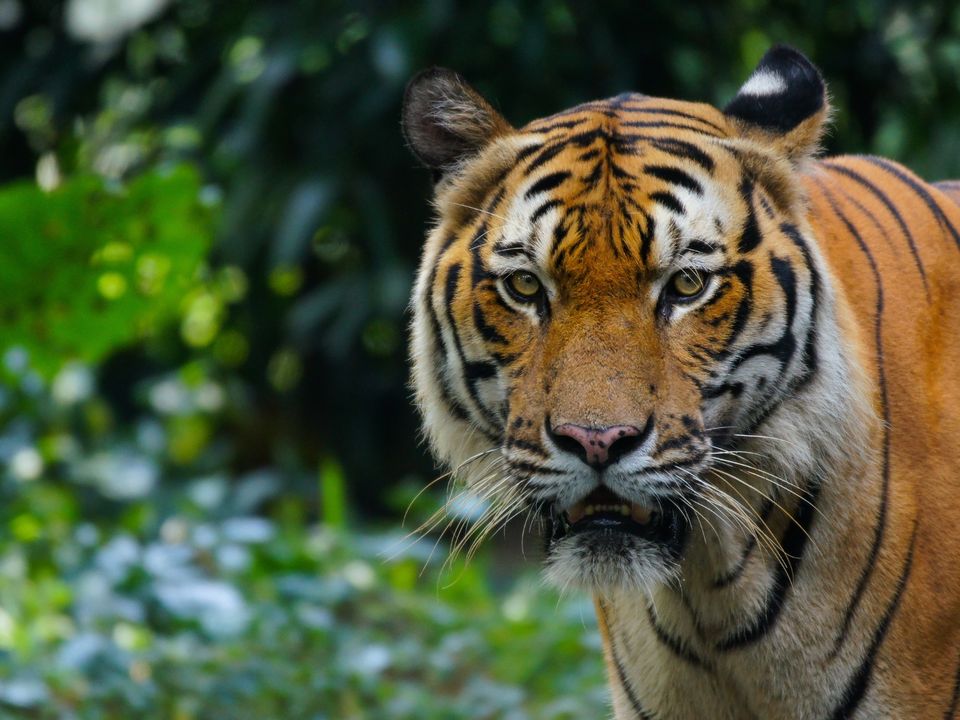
(612, 298)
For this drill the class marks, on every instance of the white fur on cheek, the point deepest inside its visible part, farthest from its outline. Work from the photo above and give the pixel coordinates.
(451, 440)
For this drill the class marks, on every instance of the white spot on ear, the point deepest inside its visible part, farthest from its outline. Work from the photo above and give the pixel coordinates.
(763, 82)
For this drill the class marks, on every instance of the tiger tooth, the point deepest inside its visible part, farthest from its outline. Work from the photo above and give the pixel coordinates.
(576, 512)
(640, 514)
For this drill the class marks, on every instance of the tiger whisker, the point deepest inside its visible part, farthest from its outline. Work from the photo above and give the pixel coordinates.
(775, 480)
(441, 514)
(778, 505)
(449, 474)
(764, 535)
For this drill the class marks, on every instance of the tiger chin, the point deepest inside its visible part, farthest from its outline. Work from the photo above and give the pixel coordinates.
(724, 374)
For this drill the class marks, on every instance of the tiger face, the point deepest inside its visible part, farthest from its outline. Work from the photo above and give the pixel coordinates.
(611, 297)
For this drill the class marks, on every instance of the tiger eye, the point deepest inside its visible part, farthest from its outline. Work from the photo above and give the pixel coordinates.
(524, 285)
(688, 283)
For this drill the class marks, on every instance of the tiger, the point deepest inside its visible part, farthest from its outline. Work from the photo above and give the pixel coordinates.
(722, 371)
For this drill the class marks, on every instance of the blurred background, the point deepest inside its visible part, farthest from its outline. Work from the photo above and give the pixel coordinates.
(208, 230)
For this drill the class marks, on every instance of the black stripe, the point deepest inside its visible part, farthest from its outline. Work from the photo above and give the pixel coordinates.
(859, 682)
(625, 684)
(674, 176)
(446, 392)
(546, 207)
(531, 447)
(702, 247)
(587, 137)
(885, 199)
(951, 712)
(478, 274)
(675, 113)
(547, 153)
(527, 151)
(559, 234)
(472, 370)
(675, 645)
(750, 237)
(487, 331)
(919, 190)
(811, 358)
(736, 571)
(881, 525)
(559, 125)
(682, 149)
(514, 249)
(743, 271)
(794, 543)
(617, 171)
(547, 182)
(672, 126)
(783, 347)
(668, 200)
(531, 469)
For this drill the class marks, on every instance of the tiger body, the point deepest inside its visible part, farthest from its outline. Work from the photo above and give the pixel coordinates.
(800, 412)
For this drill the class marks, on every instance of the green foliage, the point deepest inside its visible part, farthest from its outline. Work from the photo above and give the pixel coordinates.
(132, 585)
(87, 269)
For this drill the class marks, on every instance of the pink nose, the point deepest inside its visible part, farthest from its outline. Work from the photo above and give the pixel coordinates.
(598, 447)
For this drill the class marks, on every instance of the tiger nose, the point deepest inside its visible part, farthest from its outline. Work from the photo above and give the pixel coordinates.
(599, 447)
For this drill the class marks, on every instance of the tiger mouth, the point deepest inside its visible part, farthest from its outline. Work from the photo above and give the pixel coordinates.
(604, 513)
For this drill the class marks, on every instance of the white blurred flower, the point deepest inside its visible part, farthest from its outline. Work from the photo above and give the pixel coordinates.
(359, 574)
(73, 384)
(233, 558)
(370, 661)
(247, 530)
(217, 606)
(174, 530)
(210, 397)
(170, 397)
(516, 607)
(80, 650)
(209, 492)
(26, 464)
(169, 562)
(151, 437)
(103, 21)
(48, 173)
(204, 536)
(23, 692)
(16, 359)
(117, 557)
(121, 475)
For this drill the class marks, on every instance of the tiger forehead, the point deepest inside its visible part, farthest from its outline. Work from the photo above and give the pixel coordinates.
(634, 116)
(627, 170)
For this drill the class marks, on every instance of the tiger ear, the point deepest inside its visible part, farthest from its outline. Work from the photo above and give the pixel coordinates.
(445, 121)
(782, 104)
